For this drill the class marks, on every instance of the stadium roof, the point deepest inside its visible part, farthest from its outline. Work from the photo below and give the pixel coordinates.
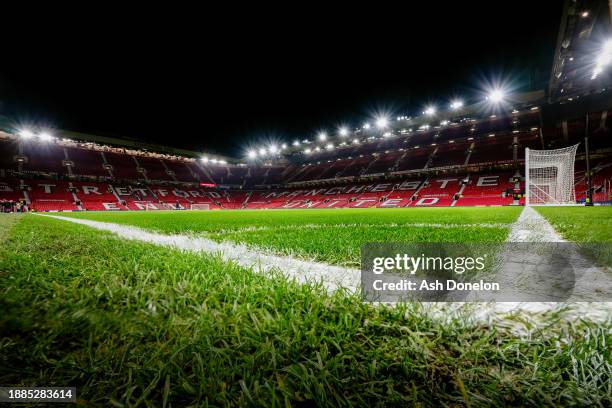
(583, 50)
(9, 126)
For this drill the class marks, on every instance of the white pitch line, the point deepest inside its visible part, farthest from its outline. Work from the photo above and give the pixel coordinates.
(533, 227)
(332, 277)
(529, 227)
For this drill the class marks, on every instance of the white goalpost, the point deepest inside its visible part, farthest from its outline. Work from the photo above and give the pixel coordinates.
(549, 176)
(200, 207)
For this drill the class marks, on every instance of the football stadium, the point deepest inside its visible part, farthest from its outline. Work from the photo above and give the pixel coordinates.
(301, 271)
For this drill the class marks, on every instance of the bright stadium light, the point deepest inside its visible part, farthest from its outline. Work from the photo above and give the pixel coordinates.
(366, 125)
(296, 142)
(262, 151)
(355, 141)
(204, 159)
(343, 131)
(456, 104)
(26, 133)
(382, 122)
(45, 137)
(329, 146)
(430, 110)
(273, 149)
(252, 154)
(283, 146)
(496, 96)
(307, 151)
(322, 136)
(603, 59)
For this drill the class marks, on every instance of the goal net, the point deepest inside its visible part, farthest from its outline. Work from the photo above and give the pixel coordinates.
(549, 176)
(200, 206)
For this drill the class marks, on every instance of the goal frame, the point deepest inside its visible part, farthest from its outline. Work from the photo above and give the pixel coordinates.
(528, 183)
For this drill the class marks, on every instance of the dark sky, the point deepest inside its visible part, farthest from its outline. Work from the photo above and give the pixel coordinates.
(217, 80)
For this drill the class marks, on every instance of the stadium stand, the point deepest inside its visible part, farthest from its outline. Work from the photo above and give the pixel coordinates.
(87, 162)
(464, 161)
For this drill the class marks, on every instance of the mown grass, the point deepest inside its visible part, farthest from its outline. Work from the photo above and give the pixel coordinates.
(331, 236)
(6, 223)
(177, 222)
(581, 224)
(131, 324)
(342, 245)
(590, 227)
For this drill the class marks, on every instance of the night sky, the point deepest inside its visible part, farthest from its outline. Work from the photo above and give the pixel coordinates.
(219, 80)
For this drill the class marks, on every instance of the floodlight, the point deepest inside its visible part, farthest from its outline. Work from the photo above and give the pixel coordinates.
(296, 142)
(273, 149)
(322, 136)
(456, 104)
(387, 134)
(603, 60)
(355, 141)
(366, 125)
(307, 151)
(329, 146)
(252, 154)
(44, 136)
(381, 122)
(204, 159)
(430, 110)
(26, 133)
(262, 151)
(283, 146)
(343, 131)
(496, 96)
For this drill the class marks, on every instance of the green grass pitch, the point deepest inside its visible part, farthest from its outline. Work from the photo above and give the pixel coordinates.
(133, 324)
(331, 236)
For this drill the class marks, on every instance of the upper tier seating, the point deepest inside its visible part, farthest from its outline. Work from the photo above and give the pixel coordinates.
(8, 149)
(414, 159)
(155, 169)
(181, 170)
(44, 157)
(87, 162)
(124, 166)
